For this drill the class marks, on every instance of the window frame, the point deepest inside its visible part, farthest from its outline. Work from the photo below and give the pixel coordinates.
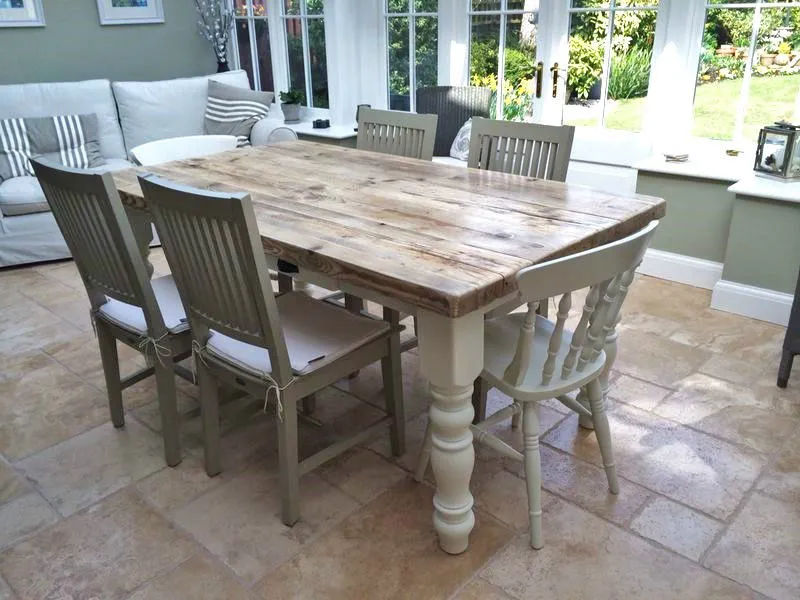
(303, 16)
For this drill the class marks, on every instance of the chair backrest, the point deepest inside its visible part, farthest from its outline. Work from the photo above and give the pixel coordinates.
(454, 105)
(90, 215)
(527, 149)
(608, 272)
(396, 132)
(281, 134)
(214, 251)
(179, 148)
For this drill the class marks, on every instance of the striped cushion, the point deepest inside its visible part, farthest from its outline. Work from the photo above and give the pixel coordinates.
(234, 111)
(71, 140)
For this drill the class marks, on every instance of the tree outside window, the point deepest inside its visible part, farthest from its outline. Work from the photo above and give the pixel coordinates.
(413, 38)
(305, 49)
(253, 42)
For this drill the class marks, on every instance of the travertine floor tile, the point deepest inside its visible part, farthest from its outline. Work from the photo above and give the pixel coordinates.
(82, 356)
(361, 474)
(636, 392)
(174, 487)
(661, 298)
(505, 497)
(677, 527)
(239, 521)
(480, 589)
(586, 557)
(89, 467)
(5, 591)
(388, 548)
(781, 478)
(762, 548)
(657, 359)
(41, 336)
(11, 484)
(24, 516)
(196, 579)
(104, 552)
(22, 315)
(735, 370)
(698, 470)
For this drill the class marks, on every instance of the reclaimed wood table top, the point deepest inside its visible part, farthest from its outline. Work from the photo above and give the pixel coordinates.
(438, 237)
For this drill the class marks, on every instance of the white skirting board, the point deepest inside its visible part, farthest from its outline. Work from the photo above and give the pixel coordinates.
(683, 269)
(753, 302)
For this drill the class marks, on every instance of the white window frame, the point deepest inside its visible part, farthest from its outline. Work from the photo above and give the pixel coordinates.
(304, 17)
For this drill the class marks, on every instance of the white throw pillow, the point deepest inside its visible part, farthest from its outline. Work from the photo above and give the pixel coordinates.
(460, 147)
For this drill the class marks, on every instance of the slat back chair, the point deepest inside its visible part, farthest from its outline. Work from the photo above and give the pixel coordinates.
(286, 348)
(125, 304)
(454, 105)
(527, 149)
(179, 148)
(281, 134)
(530, 358)
(396, 132)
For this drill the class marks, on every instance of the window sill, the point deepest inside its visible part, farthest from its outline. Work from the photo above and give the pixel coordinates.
(767, 187)
(306, 128)
(720, 168)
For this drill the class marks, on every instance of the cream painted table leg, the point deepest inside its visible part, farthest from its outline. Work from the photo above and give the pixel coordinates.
(142, 226)
(451, 355)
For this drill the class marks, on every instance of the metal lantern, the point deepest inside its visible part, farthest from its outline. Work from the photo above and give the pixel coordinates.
(778, 152)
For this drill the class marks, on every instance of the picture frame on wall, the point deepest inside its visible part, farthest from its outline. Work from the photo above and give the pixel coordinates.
(129, 12)
(21, 13)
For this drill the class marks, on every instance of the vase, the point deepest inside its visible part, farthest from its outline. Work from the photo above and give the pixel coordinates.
(291, 113)
(781, 60)
(222, 66)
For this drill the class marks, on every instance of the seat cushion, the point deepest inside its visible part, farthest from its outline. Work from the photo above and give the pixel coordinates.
(316, 333)
(22, 196)
(131, 317)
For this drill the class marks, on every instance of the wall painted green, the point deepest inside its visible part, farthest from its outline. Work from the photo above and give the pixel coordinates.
(764, 244)
(698, 214)
(74, 46)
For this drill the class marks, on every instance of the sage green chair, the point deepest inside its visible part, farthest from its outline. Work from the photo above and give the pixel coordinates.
(125, 305)
(527, 149)
(396, 132)
(276, 349)
(531, 359)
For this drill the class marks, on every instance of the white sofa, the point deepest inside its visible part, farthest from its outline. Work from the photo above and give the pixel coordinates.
(128, 113)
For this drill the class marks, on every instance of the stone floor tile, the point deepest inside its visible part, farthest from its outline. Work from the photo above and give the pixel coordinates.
(657, 359)
(82, 356)
(19, 278)
(677, 527)
(505, 497)
(781, 478)
(23, 316)
(636, 392)
(239, 521)
(415, 433)
(104, 552)
(735, 370)
(480, 589)
(196, 579)
(89, 467)
(40, 336)
(24, 516)
(761, 548)
(64, 272)
(12, 485)
(665, 299)
(45, 291)
(691, 467)
(5, 591)
(174, 487)
(586, 557)
(361, 474)
(388, 547)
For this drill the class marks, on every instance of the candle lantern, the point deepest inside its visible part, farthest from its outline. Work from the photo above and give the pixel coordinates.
(778, 152)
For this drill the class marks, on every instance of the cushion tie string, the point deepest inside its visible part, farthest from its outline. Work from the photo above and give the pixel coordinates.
(150, 346)
(197, 353)
(92, 316)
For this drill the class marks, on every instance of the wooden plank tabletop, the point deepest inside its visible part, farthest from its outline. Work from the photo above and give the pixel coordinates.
(435, 236)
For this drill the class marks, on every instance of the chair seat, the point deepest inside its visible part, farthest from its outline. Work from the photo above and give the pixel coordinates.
(316, 333)
(131, 317)
(500, 344)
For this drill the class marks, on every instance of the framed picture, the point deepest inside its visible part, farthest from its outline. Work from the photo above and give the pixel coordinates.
(129, 12)
(21, 13)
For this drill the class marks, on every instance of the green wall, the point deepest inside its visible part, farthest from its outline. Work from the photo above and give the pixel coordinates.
(74, 46)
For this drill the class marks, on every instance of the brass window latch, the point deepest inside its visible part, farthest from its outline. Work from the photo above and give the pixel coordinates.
(539, 68)
(554, 71)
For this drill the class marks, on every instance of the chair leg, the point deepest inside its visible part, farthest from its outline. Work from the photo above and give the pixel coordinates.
(480, 396)
(289, 471)
(309, 404)
(583, 398)
(392, 374)
(209, 414)
(424, 455)
(785, 368)
(543, 307)
(168, 407)
(110, 358)
(603, 432)
(533, 471)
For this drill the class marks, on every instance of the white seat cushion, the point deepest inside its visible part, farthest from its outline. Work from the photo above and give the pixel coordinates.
(131, 317)
(316, 333)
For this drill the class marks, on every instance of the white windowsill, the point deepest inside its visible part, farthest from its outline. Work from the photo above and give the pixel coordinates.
(767, 187)
(720, 168)
(306, 127)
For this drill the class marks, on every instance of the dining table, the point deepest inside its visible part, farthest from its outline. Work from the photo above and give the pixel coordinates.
(441, 242)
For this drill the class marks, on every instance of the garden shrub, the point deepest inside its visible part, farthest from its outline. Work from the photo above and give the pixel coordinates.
(585, 65)
(630, 74)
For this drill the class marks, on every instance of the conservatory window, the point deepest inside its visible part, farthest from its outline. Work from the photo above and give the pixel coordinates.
(749, 71)
(412, 35)
(503, 53)
(610, 54)
(305, 49)
(252, 42)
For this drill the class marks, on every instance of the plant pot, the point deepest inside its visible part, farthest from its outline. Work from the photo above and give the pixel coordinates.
(767, 60)
(222, 66)
(291, 113)
(596, 90)
(782, 60)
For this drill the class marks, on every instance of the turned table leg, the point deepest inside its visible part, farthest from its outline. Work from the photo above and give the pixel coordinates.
(142, 226)
(451, 354)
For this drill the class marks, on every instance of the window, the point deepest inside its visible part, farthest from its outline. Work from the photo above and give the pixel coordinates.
(413, 38)
(503, 53)
(305, 49)
(252, 43)
(610, 53)
(749, 71)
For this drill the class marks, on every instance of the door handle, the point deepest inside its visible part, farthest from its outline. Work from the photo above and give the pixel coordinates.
(554, 71)
(539, 74)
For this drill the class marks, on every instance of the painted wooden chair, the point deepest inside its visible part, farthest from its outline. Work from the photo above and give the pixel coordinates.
(280, 349)
(531, 358)
(396, 132)
(125, 304)
(527, 149)
(180, 148)
(281, 134)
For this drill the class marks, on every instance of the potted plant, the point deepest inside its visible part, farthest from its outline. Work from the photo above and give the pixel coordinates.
(291, 102)
(784, 54)
(768, 54)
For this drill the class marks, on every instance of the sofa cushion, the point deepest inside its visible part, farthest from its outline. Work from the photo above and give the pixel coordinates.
(74, 97)
(233, 110)
(155, 110)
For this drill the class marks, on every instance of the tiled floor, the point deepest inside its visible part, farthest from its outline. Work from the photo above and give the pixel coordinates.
(707, 448)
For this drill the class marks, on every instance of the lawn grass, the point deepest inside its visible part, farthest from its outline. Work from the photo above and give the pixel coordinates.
(771, 99)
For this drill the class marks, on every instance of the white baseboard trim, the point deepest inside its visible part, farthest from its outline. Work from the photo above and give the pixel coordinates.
(683, 269)
(753, 302)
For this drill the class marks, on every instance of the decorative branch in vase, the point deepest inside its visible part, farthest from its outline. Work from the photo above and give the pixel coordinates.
(216, 21)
